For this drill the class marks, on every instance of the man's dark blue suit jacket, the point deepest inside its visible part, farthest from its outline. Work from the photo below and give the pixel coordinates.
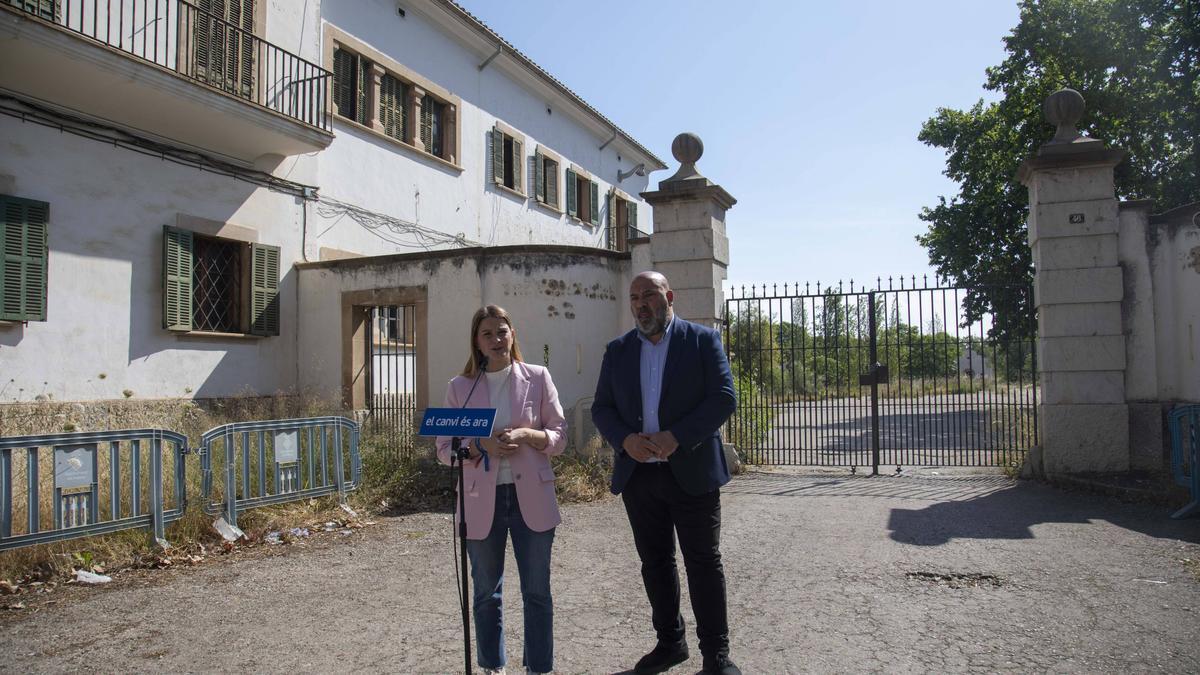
(697, 397)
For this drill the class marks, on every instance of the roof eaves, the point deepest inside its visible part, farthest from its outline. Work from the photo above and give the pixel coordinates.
(474, 22)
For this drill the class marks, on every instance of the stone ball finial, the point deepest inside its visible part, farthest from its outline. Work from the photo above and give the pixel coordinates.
(1063, 109)
(687, 148)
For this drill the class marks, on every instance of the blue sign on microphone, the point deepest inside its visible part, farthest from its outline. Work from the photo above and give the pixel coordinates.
(460, 422)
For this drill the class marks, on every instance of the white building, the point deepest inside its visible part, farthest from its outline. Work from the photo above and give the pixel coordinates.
(174, 174)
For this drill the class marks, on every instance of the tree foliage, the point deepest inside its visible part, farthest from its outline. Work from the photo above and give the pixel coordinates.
(1137, 64)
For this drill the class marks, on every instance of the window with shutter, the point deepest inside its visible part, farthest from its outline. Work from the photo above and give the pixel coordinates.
(508, 156)
(23, 257)
(219, 285)
(432, 111)
(223, 44)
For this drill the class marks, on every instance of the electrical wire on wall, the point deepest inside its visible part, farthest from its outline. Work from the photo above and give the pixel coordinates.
(30, 111)
(391, 229)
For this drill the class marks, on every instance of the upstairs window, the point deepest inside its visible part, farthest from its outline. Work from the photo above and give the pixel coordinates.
(545, 179)
(622, 221)
(507, 157)
(372, 90)
(219, 285)
(23, 233)
(433, 126)
(583, 198)
(223, 44)
(351, 77)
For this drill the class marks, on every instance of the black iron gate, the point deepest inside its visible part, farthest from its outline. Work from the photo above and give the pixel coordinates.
(391, 378)
(894, 375)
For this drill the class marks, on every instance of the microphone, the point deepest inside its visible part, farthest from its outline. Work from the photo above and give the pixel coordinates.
(483, 361)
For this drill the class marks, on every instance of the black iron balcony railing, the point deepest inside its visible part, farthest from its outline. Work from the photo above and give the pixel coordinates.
(619, 236)
(199, 45)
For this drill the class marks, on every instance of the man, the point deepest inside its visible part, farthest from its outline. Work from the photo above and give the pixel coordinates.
(665, 389)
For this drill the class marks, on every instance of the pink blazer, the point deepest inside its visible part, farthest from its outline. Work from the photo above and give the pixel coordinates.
(535, 405)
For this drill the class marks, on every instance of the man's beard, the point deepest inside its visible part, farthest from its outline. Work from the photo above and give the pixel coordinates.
(652, 325)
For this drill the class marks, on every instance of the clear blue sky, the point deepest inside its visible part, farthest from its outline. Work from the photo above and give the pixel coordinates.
(809, 112)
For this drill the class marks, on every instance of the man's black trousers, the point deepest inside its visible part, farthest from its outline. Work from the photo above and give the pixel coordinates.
(659, 510)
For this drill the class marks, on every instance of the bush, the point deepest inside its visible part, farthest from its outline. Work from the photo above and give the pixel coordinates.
(747, 430)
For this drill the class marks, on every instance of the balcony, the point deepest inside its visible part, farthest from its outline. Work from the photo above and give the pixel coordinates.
(621, 236)
(168, 69)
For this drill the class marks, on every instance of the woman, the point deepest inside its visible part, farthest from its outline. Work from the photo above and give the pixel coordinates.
(510, 486)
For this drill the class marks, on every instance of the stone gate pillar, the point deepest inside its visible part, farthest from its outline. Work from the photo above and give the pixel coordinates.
(689, 244)
(1078, 288)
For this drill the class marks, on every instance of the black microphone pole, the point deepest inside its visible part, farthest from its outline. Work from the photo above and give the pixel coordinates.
(461, 454)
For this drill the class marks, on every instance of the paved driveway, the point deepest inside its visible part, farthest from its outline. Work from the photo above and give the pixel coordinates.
(827, 573)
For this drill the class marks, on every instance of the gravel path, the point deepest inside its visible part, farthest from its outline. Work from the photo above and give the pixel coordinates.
(827, 573)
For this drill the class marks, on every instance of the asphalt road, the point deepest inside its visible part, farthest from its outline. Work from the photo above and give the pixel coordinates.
(827, 573)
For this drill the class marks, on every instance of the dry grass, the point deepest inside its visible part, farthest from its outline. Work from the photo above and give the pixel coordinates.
(131, 548)
(389, 484)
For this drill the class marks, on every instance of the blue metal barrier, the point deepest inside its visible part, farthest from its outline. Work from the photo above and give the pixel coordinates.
(1184, 424)
(103, 482)
(277, 461)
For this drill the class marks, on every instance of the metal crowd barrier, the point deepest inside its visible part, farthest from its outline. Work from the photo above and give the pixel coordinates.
(277, 461)
(1184, 424)
(103, 482)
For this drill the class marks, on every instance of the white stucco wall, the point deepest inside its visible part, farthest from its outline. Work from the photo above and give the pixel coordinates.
(1175, 260)
(103, 334)
(1160, 256)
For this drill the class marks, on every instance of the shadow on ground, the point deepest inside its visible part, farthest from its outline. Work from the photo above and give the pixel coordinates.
(972, 507)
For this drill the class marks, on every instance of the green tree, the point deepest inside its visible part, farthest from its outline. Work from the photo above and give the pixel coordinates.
(1137, 64)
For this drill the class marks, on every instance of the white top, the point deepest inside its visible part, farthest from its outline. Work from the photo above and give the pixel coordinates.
(499, 392)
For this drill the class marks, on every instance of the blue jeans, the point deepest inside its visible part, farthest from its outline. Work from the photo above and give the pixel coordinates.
(532, 551)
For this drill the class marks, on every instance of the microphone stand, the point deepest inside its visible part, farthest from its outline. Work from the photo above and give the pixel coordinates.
(457, 452)
(461, 454)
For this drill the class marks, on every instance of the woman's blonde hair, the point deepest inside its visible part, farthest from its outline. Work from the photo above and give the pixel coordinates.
(489, 312)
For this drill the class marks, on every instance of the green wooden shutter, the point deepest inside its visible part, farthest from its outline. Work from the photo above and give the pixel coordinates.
(393, 113)
(364, 87)
(594, 213)
(539, 177)
(264, 291)
(572, 196)
(177, 278)
(245, 40)
(49, 10)
(631, 217)
(23, 259)
(427, 123)
(518, 161)
(497, 156)
(552, 182)
(344, 67)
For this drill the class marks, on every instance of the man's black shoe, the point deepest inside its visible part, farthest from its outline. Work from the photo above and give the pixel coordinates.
(720, 665)
(661, 658)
